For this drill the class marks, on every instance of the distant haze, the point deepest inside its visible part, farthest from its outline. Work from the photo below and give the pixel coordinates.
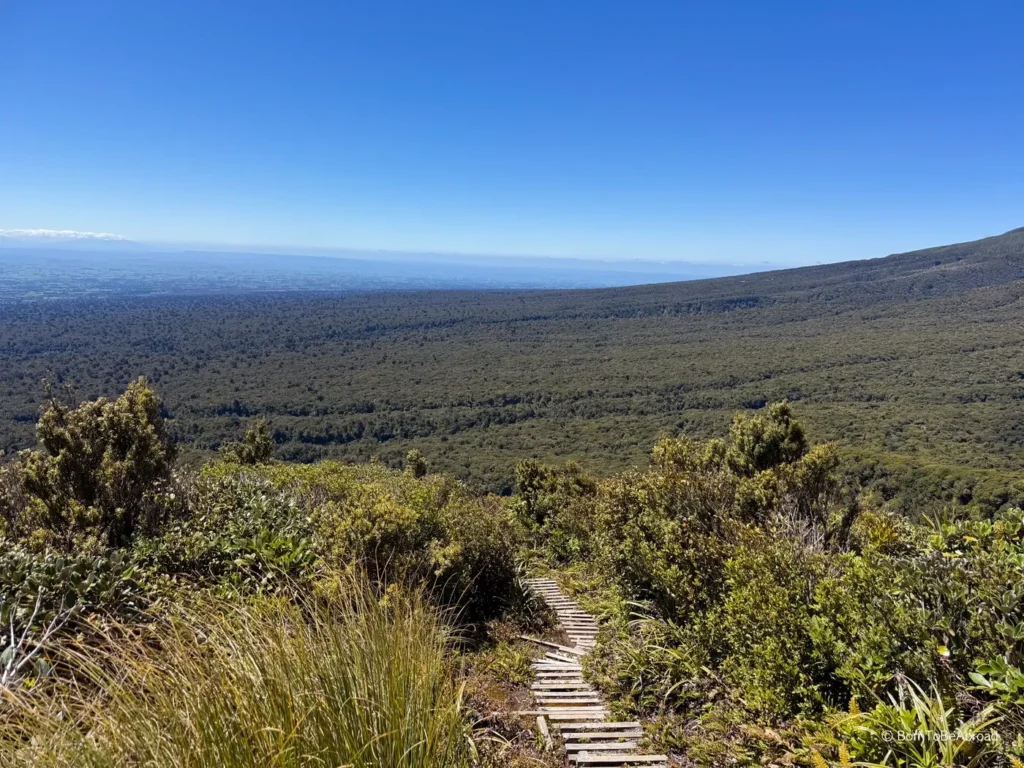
(53, 267)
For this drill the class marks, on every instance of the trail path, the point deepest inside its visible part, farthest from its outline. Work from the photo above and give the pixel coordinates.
(568, 704)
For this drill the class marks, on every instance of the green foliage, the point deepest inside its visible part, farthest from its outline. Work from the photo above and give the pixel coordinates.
(239, 534)
(46, 594)
(556, 505)
(772, 590)
(397, 526)
(914, 366)
(87, 583)
(256, 447)
(509, 662)
(101, 473)
(415, 464)
(360, 682)
(919, 730)
(763, 618)
(867, 624)
(763, 440)
(1001, 680)
(666, 538)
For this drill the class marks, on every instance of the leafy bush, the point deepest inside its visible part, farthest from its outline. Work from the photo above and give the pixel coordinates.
(773, 594)
(763, 618)
(45, 594)
(868, 625)
(396, 526)
(918, 729)
(256, 447)
(556, 505)
(100, 475)
(239, 534)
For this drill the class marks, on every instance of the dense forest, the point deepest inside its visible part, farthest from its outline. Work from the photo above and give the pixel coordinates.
(913, 363)
(755, 607)
(791, 501)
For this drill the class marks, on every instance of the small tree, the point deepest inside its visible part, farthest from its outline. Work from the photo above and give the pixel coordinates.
(256, 447)
(102, 468)
(415, 464)
(765, 440)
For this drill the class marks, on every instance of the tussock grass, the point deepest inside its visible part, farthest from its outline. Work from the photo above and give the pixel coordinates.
(355, 681)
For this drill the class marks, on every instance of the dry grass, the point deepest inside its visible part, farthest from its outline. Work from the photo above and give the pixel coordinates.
(354, 681)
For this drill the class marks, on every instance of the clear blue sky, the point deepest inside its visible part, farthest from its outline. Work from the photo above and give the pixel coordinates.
(739, 132)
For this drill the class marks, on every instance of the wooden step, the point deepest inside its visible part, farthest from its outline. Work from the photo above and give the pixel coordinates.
(587, 701)
(561, 718)
(560, 677)
(622, 747)
(632, 733)
(564, 658)
(612, 746)
(589, 758)
(547, 644)
(570, 704)
(603, 726)
(558, 686)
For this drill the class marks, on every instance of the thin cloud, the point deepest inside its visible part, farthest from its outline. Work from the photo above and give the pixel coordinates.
(59, 234)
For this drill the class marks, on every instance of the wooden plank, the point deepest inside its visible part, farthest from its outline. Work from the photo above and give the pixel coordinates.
(616, 759)
(546, 644)
(602, 726)
(543, 688)
(562, 717)
(562, 657)
(611, 746)
(542, 726)
(553, 667)
(598, 735)
(561, 704)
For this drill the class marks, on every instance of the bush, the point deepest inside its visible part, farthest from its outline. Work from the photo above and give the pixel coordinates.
(255, 448)
(399, 527)
(240, 534)
(100, 475)
(918, 728)
(778, 594)
(764, 617)
(42, 595)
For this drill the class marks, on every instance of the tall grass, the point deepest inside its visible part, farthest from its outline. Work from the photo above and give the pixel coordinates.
(356, 681)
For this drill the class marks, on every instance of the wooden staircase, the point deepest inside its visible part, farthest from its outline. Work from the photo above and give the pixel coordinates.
(568, 703)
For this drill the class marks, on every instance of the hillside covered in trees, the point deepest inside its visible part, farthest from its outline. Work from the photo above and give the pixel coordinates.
(916, 360)
(755, 607)
(791, 501)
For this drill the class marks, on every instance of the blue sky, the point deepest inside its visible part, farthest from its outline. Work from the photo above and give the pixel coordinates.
(788, 132)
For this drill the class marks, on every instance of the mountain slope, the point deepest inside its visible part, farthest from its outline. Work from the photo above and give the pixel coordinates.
(917, 356)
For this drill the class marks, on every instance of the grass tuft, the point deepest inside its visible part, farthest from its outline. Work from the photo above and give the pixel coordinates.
(355, 681)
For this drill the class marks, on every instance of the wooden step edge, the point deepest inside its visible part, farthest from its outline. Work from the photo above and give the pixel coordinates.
(547, 644)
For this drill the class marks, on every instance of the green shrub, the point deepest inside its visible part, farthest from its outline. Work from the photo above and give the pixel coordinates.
(775, 592)
(399, 527)
(556, 505)
(101, 474)
(256, 447)
(919, 729)
(239, 534)
(868, 626)
(764, 619)
(46, 597)
(666, 536)
(415, 464)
